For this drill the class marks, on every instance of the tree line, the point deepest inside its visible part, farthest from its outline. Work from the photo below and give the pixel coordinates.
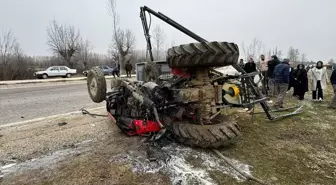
(71, 49)
(257, 48)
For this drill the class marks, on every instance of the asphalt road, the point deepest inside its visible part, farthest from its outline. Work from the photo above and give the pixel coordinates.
(21, 103)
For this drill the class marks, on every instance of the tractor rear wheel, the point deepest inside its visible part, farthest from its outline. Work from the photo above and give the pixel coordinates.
(221, 133)
(96, 84)
(203, 54)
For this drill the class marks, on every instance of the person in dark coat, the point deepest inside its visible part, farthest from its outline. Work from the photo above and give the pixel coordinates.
(241, 63)
(300, 78)
(274, 61)
(250, 67)
(128, 69)
(116, 71)
(333, 82)
(281, 78)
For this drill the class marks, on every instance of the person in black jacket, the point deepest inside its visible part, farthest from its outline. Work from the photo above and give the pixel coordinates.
(241, 63)
(116, 71)
(271, 65)
(333, 82)
(128, 69)
(300, 83)
(281, 78)
(250, 67)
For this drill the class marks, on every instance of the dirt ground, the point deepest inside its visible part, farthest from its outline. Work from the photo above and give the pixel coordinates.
(293, 151)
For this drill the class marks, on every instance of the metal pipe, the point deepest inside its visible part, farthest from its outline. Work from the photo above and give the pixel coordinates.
(146, 32)
(173, 23)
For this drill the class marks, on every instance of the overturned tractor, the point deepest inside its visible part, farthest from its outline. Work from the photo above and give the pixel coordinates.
(187, 103)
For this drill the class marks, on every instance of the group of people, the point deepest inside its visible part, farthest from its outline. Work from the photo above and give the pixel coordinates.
(128, 69)
(278, 77)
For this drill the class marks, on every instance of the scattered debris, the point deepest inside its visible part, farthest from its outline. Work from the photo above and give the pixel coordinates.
(62, 123)
(84, 111)
(176, 162)
(246, 175)
(69, 146)
(274, 178)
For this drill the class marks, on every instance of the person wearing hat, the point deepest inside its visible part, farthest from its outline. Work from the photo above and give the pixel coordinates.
(281, 78)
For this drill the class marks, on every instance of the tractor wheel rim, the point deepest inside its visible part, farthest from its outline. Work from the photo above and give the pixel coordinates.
(93, 87)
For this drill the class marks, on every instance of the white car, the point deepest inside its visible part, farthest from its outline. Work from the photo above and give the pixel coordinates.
(56, 71)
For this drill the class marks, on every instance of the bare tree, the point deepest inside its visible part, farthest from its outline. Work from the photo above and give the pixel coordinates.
(293, 54)
(123, 41)
(85, 52)
(277, 52)
(18, 60)
(64, 40)
(303, 58)
(8, 45)
(254, 49)
(331, 62)
(172, 44)
(159, 39)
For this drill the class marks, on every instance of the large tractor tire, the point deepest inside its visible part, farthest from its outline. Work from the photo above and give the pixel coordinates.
(96, 84)
(203, 54)
(222, 133)
(150, 72)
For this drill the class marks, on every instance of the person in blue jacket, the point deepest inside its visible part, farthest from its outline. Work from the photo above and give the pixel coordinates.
(333, 82)
(281, 77)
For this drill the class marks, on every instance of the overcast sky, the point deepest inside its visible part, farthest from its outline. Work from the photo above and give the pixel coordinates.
(309, 25)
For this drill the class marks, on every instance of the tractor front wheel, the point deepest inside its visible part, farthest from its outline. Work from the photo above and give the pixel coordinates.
(96, 84)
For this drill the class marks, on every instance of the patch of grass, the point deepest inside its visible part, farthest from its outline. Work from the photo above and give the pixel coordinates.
(296, 150)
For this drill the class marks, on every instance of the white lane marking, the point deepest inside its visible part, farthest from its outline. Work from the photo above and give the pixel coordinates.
(16, 86)
(13, 82)
(39, 81)
(49, 117)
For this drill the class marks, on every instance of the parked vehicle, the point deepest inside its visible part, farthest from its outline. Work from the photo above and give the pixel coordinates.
(106, 70)
(56, 71)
